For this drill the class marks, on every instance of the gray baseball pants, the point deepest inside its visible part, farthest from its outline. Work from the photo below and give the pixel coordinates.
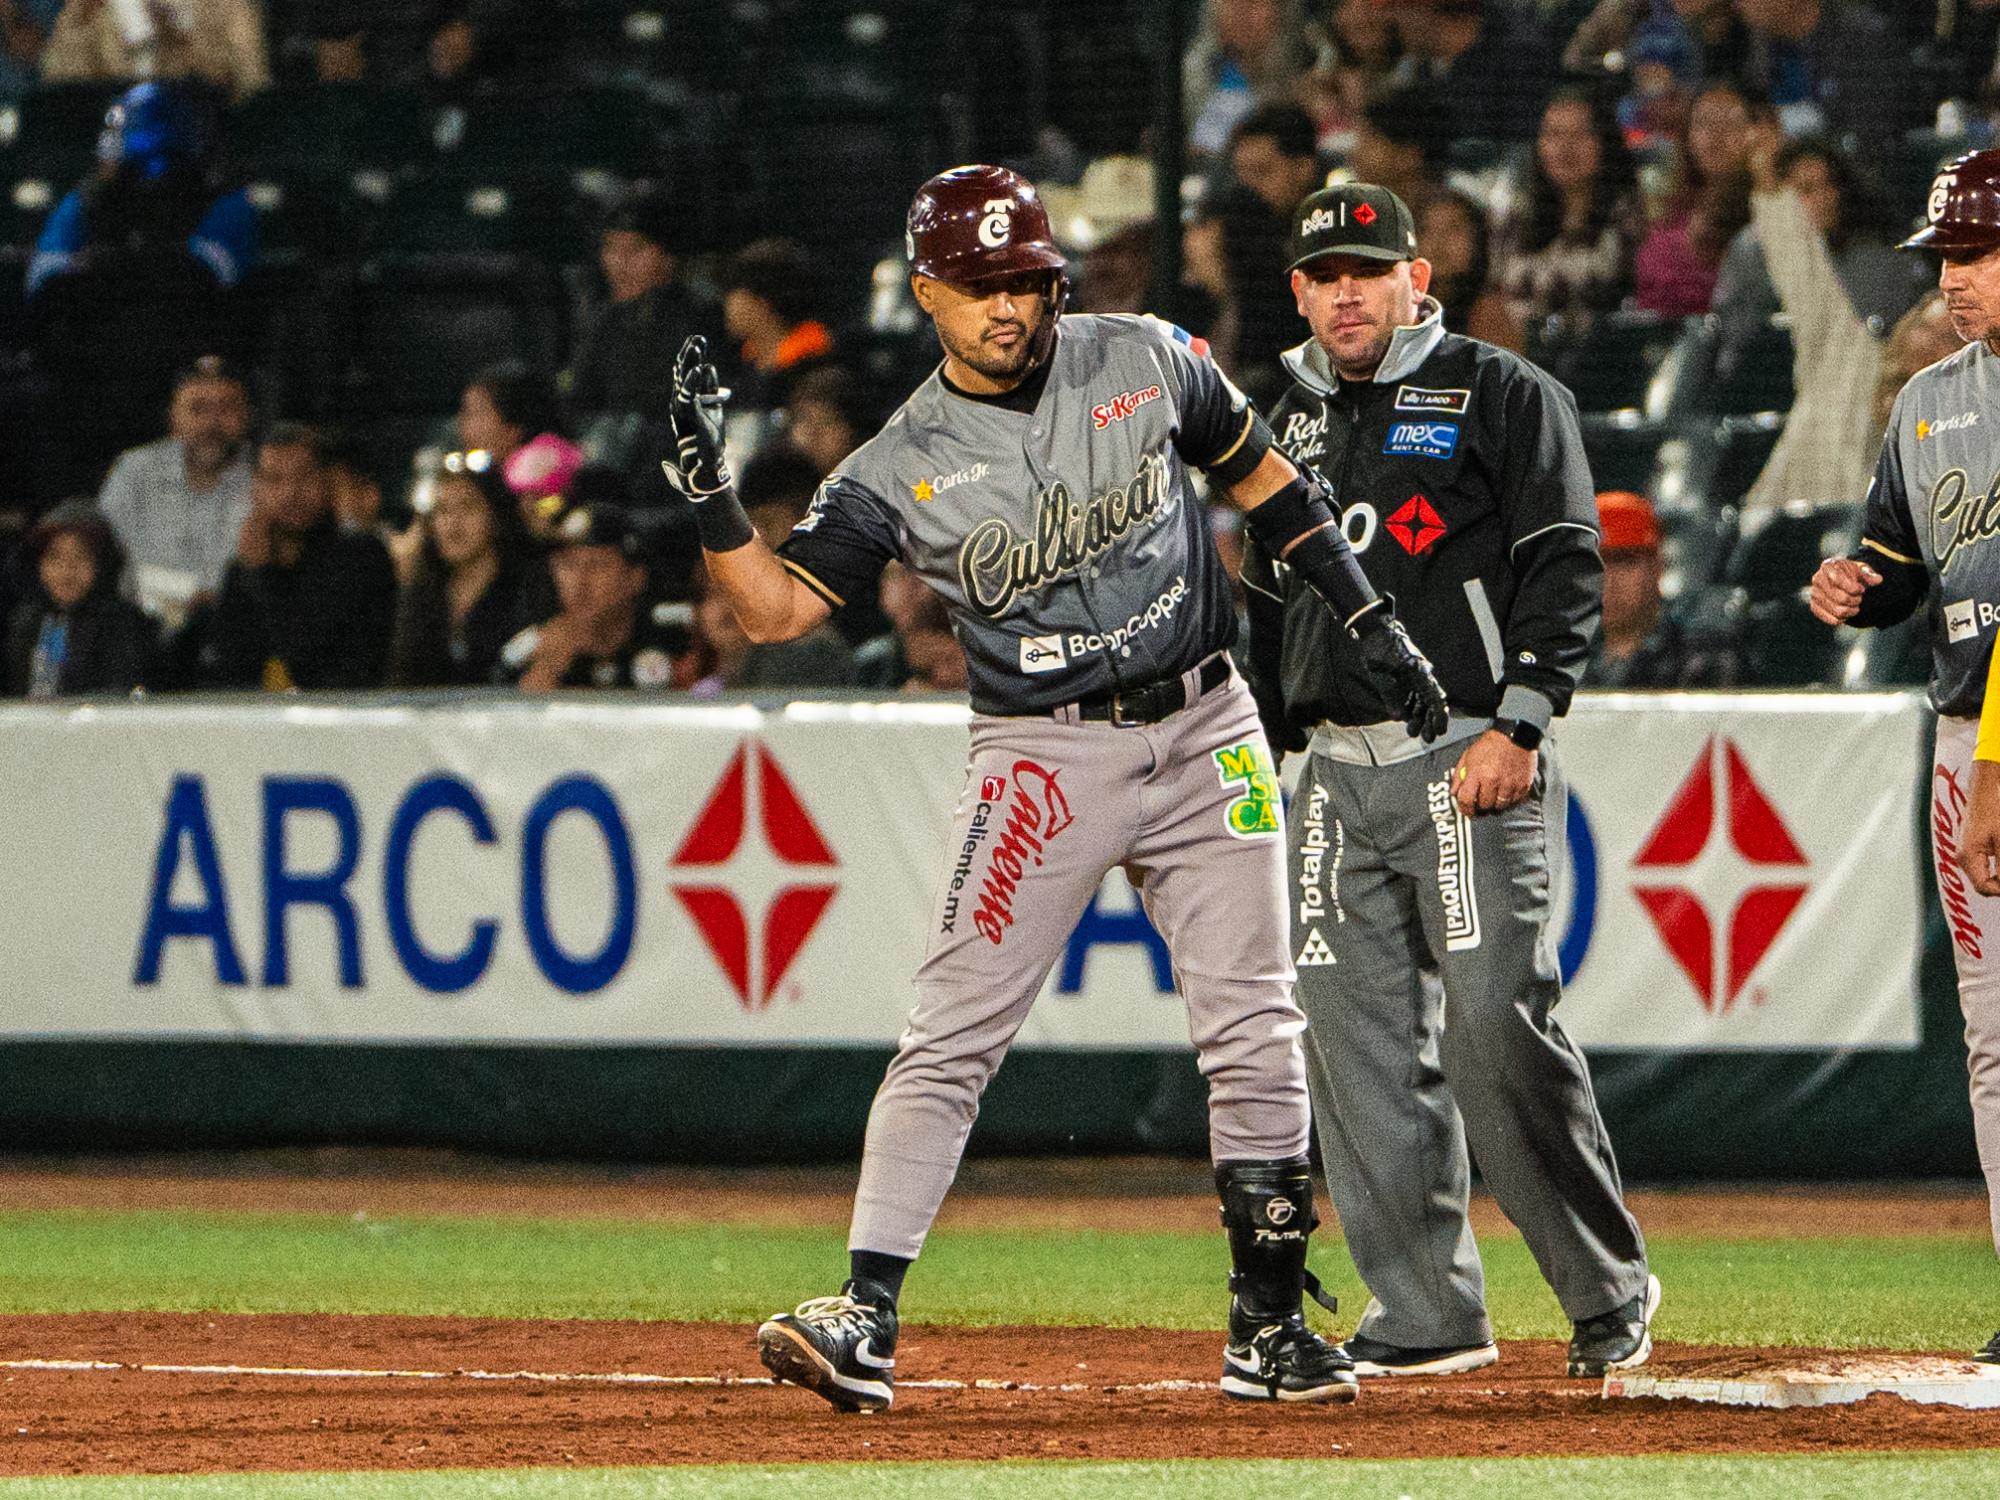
(1428, 973)
(1189, 806)
(1974, 921)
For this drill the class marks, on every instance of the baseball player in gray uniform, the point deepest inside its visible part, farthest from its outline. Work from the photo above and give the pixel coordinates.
(1422, 873)
(1039, 481)
(1928, 541)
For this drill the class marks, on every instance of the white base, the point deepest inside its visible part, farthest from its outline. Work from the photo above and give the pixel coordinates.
(1931, 1381)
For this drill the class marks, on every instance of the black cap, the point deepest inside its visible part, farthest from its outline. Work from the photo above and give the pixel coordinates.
(599, 525)
(651, 213)
(1356, 219)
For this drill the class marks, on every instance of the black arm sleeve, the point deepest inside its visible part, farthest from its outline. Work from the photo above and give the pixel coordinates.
(1263, 659)
(844, 542)
(1551, 511)
(1889, 541)
(1220, 432)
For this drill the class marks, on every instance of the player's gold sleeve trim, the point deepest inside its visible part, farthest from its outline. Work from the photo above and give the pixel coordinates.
(1875, 546)
(1987, 747)
(1249, 420)
(812, 583)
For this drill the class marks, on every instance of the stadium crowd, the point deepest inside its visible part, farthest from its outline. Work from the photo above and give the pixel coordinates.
(335, 337)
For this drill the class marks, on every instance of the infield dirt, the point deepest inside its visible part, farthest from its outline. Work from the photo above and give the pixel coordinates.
(127, 1420)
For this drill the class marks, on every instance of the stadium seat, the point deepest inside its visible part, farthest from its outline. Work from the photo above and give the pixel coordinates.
(1623, 449)
(1612, 365)
(108, 385)
(324, 129)
(52, 133)
(423, 324)
(1717, 462)
(1754, 375)
(301, 219)
(453, 215)
(1780, 547)
(1694, 546)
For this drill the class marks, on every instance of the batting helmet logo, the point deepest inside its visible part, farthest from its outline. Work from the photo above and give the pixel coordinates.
(998, 225)
(1940, 195)
(1962, 213)
(979, 221)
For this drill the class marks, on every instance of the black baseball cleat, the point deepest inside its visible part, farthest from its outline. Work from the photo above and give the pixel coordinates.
(842, 1348)
(1280, 1359)
(1621, 1339)
(1373, 1357)
(1990, 1355)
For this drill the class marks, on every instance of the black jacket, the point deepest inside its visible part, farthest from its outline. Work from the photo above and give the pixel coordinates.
(1464, 490)
(111, 645)
(322, 622)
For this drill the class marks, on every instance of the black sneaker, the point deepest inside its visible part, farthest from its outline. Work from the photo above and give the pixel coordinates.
(1373, 1357)
(1621, 1339)
(1280, 1359)
(1990, 1355)
(842, 1348)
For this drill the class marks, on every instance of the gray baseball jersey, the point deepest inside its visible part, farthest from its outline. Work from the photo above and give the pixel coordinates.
(1935, 506)
(1067, 538)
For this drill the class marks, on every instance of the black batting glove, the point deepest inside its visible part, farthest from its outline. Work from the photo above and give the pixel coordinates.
(1405, 671)
(698, 469)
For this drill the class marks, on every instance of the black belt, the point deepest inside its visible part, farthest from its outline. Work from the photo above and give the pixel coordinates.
(1151, 702)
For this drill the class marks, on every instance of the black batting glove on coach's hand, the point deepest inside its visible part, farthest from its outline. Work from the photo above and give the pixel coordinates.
(698, 469)
(1397, 663)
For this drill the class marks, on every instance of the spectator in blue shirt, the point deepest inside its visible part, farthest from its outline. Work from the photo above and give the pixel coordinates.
(153, 190)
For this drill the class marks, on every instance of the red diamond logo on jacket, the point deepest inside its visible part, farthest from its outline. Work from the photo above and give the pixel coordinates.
(765, 870)
(1740, 861)
(1416, 525)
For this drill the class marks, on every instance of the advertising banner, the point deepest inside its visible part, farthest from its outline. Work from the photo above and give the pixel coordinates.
(1744, 875)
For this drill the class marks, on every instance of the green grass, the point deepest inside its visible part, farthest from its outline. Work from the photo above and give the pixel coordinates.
(1954, 1476)
(1929, 1294)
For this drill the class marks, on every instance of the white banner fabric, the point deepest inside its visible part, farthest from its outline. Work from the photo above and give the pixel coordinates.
(1745, 875)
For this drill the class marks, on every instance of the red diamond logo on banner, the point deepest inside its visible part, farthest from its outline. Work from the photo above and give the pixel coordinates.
(1416, 525)
(1755, 841)
(1365, 214)
(755, 962)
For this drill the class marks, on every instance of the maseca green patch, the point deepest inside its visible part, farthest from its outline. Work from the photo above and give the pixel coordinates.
(1255, 810)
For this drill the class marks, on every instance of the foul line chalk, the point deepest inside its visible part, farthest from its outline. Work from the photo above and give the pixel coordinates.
(555, 1377)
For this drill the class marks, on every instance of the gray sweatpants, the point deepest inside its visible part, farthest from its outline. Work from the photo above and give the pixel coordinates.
(1428, 973)
(1189, 806)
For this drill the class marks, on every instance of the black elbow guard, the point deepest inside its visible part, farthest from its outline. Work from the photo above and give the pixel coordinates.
(1298, 518)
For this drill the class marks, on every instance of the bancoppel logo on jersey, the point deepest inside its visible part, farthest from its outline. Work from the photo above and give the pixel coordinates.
(1119, 637)
(1121, 406)
(1969, 618)
(1959, 423)
(1422, 440)
(1417, 398)
(1042, 653)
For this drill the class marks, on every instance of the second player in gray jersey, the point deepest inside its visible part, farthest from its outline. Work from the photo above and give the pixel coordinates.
(1039, 481)
(1929, 542)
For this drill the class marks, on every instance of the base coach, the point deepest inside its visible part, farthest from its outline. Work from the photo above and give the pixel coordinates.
(1421, 872)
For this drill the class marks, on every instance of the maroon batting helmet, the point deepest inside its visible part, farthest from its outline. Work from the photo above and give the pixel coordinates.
(975, 222)
(1963, 213)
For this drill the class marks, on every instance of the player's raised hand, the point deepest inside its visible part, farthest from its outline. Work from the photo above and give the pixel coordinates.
(698, 468)
(1397, 663)
(1979, 841)
(1837, 589)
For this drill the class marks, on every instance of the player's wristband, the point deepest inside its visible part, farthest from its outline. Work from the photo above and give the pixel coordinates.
(1298, 513)
(721, 521)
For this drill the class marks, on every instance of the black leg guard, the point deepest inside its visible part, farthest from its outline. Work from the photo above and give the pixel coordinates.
(1267, 1209)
